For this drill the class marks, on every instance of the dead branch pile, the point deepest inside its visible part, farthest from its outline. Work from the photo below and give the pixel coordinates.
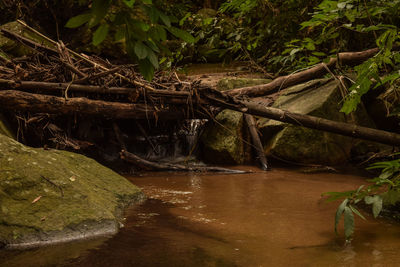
(56, 80)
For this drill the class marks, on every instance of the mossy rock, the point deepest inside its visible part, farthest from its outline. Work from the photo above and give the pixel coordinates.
(222, 141)
(55, 196)
(320, 98)
(232, 83)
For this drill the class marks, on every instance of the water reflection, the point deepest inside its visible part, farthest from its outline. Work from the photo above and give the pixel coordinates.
(272, 218)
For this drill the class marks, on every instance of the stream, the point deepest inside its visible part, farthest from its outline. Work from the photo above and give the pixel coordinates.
(274, 218)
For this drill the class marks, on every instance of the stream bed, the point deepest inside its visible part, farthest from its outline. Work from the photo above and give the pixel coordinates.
(275, 218)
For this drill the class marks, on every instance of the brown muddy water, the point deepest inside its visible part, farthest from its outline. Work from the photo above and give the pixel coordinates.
(275, 218)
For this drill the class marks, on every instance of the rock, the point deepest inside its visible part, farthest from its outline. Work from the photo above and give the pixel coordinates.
(232, 83)
(303, 145)
(51, 196)
(222, 141)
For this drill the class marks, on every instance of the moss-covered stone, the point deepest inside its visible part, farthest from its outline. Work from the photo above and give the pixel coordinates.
(232, 83)
(52, 196)
(320, 98)
(223, 140)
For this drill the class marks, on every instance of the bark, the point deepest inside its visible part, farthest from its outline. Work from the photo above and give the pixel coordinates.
(22, 101)
(348, 58)
(347, 129)
(148, 165)
(251, 123)
(51, 87)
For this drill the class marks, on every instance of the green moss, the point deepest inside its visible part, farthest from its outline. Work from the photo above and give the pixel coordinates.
(69, 190)
(222, 140)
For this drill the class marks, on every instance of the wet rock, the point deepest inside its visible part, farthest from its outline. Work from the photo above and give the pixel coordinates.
(303, 145)
(222, 140)
(51, 196)
(232, 83)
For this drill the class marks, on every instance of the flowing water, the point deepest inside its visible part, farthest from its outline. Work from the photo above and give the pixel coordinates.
(275, 218)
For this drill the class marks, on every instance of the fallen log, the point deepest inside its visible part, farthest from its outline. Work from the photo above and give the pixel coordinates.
(348, 58)
(51, 87)
(148, 165)
(22, 101)
(251, 123)
(255, 108)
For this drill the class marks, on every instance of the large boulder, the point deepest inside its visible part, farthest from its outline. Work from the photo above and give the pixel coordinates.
(55, 196)
(320, 98)
(222, 140)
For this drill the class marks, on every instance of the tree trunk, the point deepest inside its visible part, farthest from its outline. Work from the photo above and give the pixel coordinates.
(254, 108)
(251, 122)
(317, 71)
(22, 101)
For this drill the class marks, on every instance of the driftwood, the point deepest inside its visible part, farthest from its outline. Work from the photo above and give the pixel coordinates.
(148, 165)
(317, 71)
(254, 108)
(251, 122)
(22, 101)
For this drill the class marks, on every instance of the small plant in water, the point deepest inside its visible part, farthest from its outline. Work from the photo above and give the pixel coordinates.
(384, 188)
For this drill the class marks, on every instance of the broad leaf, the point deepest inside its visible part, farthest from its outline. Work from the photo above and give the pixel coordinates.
(165, 19)
(100, 34)
(129, 3)
(153, 59)
(79, 20)
(348, 223)
(184, 35)
(99, 11)
(146, 69)
(339, 212)
(141, 50)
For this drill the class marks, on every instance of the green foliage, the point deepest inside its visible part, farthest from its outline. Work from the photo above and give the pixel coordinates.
(139, 24)
(384, 188)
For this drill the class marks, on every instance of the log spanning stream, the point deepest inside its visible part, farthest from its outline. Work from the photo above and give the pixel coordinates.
(274, 218)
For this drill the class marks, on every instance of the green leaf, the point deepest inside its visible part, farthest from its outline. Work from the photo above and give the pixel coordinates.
(184, 35)
(99, 11)
(165, 19)
(339, 212)
(129, 3)
(153, 59)
(353, 209)
(100, 34)
(377, 206)
(348, 223)
(141, 50)
(79, 20)
(147, 2)
(146, 69)
(153, 13)
(119, 34)
(376, 202)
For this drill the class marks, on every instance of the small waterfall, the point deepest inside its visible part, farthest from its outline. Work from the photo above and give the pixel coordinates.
(180, 145)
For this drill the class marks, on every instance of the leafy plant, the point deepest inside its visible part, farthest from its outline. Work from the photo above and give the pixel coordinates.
(139, 24)
(383, 189)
